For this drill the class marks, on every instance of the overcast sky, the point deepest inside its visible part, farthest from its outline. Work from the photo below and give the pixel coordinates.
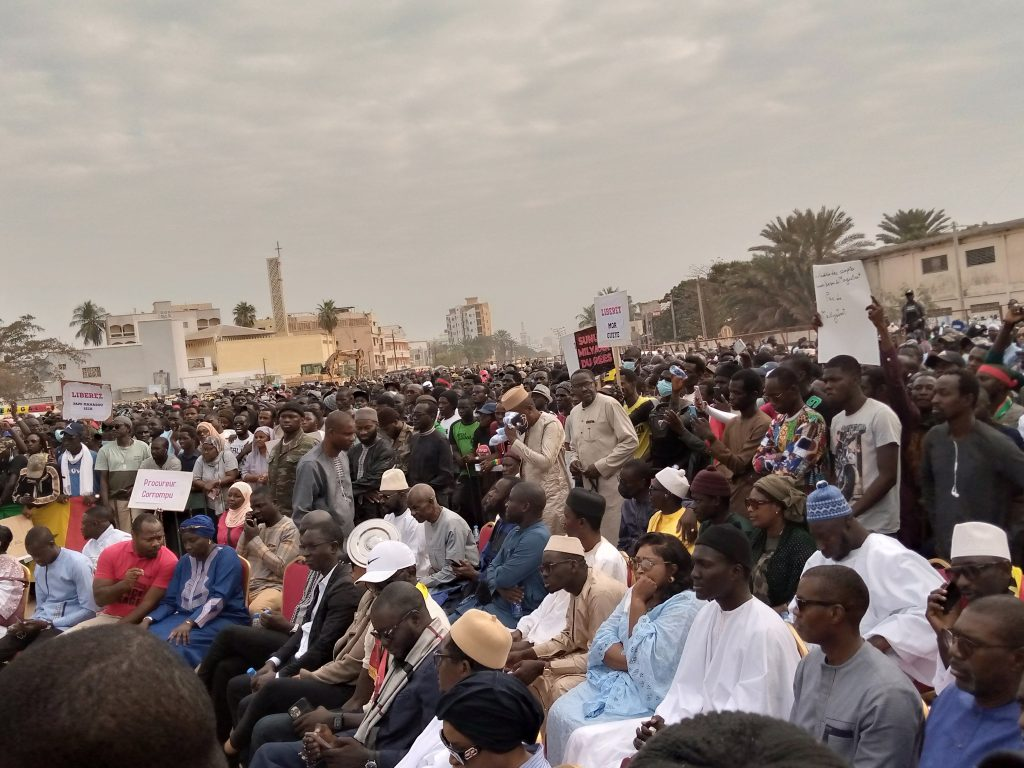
(410, 154)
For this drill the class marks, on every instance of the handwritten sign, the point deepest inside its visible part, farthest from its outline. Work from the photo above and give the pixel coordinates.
(842, 294)
(589, 354)
(612, 314)
(160, 489)
(86, 400)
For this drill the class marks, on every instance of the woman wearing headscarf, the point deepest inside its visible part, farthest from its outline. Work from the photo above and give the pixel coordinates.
(634, 654)
(230, 524)
(205, 594)
(491, 720)
(207, 429)
(215, 469)
(255, 464)
(781, 543)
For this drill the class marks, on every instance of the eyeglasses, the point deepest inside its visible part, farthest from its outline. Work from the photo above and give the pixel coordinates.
(802, 603)
(967, 645)
(546, 567)
(644, 563)
(440, 654)
(387, 634)
(757, 503)
(461, 755)
(970, 570)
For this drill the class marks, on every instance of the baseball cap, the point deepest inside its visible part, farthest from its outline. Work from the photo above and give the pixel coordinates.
(488, 408)
(385, 560)
(36, 466)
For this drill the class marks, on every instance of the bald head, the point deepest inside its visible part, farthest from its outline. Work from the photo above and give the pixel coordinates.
(401, 597)
(315, 518)
(337, 419)
(423, 503)
(38, 535)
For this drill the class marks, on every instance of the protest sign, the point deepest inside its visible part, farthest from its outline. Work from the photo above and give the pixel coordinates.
(86, 400)
(612, 314)
(842, 294)
(160, 489)
(589, 354)
(568, 346)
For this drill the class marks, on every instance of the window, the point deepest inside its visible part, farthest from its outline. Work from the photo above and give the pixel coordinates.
(184, 323)
(62, 366)
(934, 264)
(986, 255)
(310, 369)
(978, 309)
(941, 312)
(196, 362)
(129, 330)
(92, 372)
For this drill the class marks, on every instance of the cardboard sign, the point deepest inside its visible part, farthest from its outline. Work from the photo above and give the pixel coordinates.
(842, 294)
(589, 354)
(568, 346)
(612, 314)
(85, 400)
(160, 489)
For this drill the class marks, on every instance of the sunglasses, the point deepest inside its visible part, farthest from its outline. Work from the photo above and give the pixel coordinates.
(802, 603)
(970, 570)
(387, 634)
(546, 567)
(462, 756)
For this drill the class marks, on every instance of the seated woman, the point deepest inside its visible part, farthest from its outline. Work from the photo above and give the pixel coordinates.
(231, 523)
(781, 544)
(204, 596)
(635, 652)
(673, 513)
(12, 583)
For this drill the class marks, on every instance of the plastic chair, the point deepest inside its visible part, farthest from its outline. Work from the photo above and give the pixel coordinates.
(24, 595)
(485, 536)
(292, 586)
(246, 572)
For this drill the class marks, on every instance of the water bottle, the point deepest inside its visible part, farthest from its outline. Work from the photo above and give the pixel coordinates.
(675, 370)
(476, 534)
(256, 619)
(517, 611)
(251, 672)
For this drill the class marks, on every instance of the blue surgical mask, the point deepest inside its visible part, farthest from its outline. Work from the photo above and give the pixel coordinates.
(664, 387)
(628, 365)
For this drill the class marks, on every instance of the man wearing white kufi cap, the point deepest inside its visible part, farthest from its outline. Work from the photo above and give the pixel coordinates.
(558, 665)
(979, 567)
(395, 490)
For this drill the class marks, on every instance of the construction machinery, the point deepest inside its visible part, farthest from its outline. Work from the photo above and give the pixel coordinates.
(334, 365)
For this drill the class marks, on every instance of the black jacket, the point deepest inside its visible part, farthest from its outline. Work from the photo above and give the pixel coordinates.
(333, 617)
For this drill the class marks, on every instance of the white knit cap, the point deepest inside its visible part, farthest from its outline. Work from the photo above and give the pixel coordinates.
(979, 540)
(674, 481)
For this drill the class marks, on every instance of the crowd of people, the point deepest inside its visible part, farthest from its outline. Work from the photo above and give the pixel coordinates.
(694, 558)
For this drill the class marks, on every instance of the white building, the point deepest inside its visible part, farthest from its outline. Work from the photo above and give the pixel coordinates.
(123, 329)
(468, 321)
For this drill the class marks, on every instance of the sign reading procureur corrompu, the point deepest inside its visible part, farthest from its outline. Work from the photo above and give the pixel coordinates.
(86, 400)
(160, 489)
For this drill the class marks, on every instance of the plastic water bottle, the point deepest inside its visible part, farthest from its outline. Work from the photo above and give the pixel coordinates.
(251, 672)
(256, 619)
(476, 534)
(517, 611)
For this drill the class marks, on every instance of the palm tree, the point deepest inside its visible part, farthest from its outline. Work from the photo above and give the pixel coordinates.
(504, 344)
(915, 224)
(327, 315)
(586, 318)
(90, 319)
(245, 314)
(817, 237)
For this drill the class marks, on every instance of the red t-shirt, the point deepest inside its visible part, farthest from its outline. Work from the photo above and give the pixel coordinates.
(117, 559)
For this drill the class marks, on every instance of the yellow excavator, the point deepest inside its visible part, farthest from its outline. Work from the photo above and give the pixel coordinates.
(334, 364)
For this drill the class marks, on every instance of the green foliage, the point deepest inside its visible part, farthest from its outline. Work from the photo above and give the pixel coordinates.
(914, 224)
(244, 314)
(327, 315)
(90, 320)
(27, 361)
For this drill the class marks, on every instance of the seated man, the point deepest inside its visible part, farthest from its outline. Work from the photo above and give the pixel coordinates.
(448, 537)
(80, 686)
(395, 491)
(324, 621)
(132, 576)
(63, 593)
(405, 697)
(979, 567)
(850, 695)
(584, 511)
(738, 656)
(554, 667)
(269, 542)
(979, 714)
(512, 586)
(899, 581)
(38, 483)
(99, 531)
(477, 642)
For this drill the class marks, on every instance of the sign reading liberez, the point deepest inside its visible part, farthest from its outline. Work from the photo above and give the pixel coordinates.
(86, 400)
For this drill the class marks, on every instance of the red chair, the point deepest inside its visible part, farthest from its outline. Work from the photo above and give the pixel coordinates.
(293, 584)
(485, 535)
(246, 572)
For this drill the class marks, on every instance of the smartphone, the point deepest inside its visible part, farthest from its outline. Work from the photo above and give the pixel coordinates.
(692, 410)
(953, 597)
(300, 708)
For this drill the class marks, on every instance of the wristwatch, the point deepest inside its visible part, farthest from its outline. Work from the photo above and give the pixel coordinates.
(339, 723)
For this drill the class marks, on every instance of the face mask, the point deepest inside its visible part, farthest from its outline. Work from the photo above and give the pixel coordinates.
(628, 365)
(664, 387)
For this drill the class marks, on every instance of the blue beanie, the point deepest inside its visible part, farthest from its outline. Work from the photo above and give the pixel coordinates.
(826, 502)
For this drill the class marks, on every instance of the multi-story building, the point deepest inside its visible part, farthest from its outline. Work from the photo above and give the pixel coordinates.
(355, 331)
(963, 274)
(468, 321)
(396, 348)
(124, 329)
(419, 353)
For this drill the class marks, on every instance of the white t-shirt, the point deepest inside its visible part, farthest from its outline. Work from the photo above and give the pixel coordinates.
(234, 443)
(855, 439)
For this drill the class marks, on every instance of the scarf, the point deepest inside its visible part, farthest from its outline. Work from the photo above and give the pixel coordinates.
(85, 471)
(396, 680)
(236, 517)
(211, 433)
(785, 492)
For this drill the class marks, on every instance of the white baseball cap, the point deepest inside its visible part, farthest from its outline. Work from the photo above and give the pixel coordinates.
(385, 560)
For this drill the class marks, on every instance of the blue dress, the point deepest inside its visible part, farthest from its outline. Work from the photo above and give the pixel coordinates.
(652, 655)
(208, 592)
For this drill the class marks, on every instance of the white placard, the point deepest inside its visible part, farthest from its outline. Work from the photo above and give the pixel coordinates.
(160, 489)
(572, 360)
(842, 294)
(86, 400)
(612, 314)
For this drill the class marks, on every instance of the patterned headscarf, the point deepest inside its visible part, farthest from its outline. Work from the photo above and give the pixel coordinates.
(785, 492)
